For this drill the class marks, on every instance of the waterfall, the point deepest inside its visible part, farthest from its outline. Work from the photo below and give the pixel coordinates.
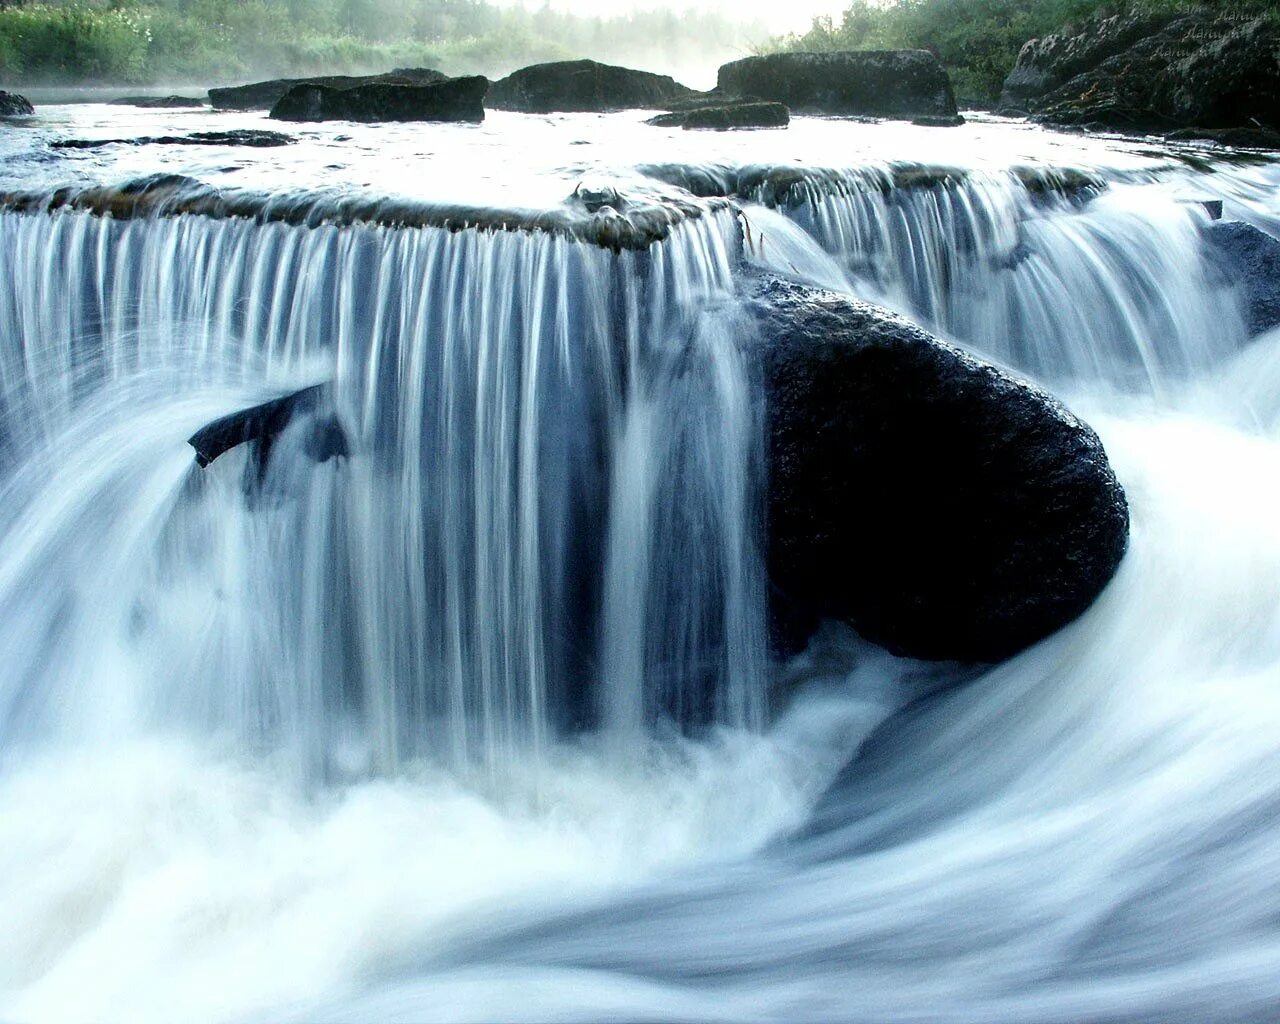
(549, 518)
(478, 721)
(1070, 281)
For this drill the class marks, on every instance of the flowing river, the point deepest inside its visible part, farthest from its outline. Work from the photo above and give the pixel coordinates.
(479, 721)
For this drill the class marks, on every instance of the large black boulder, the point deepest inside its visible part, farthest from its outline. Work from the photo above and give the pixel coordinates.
(13, 105)
(583, 86)
(880, 83)
(265, 95)
(1153, 72)
(943, 508)
(1248, 259)
(458, 99)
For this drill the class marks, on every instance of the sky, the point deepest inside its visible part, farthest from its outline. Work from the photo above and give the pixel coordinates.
(790, 16)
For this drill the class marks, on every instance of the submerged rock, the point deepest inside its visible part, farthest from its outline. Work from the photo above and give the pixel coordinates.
(265, 95)
(159, 102)
(583, 86)
(236, 137)
(726, 116)
(1249, 259)
(458, 99)
(943, 508)
(1153, 72)
(882, 83)
(13, 105)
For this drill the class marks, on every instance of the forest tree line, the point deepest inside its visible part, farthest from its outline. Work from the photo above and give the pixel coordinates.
(190, 41)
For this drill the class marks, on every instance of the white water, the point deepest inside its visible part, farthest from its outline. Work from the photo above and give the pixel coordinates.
(312, 750)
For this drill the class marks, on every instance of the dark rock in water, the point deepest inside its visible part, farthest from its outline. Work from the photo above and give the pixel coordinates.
(939, 121)
(595, 196)
(736, 115)
(158, 102)
(1250, 260)
(882, 83)
(1236, 138)
(943, 508)
(1154, 72)
(13, 105)
(458, 99)
(262, 424)
(711, 98)
(236, 137)
(265, 95)
(583, 85)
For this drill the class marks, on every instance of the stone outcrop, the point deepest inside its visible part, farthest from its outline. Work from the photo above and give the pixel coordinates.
(458, 99)
(878, 83)
(943, 508)
(1153, 73)
(1249, 260)
(13, 105)
(726, 116)
(265, 95)
(583, 86)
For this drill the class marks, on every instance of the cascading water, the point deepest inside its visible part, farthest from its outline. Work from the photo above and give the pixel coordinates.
(477, 721)
(447, 590)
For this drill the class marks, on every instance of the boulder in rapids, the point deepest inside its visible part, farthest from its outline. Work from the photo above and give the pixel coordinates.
(583, 86)
(943, 508)
(254, 137)
(1153, 72)
(13, 105)
(726, 116)
(158, 102)
(879, 83)
(1249, 259)
(265, 95)
(458, 99)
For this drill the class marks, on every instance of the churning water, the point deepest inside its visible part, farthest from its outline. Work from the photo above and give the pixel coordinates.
(478, 722)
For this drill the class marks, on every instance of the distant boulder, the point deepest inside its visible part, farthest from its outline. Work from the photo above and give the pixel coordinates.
(1248, 259)
(943, 508)
(13, 105)
(879, 83)
(1153, 72)
(458, 99)
(158, 102)
(265, 95)
(726, 116)
(583, 86)
(254, 137)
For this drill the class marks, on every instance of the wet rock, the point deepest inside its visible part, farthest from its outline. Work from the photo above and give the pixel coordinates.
(584, 86)
(596, 195)
(881, 83)
(1236, 138)
(1248, 259)
(236, 137)
(943, 508)
(261, 425)
(458, 99)
(721, 118)
(1154, 73)
(159, 102)
(939, 121)
(265, 95)
(13, 105)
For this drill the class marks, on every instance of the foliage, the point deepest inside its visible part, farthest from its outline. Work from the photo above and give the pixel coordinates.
(54, 41)
(976, 40)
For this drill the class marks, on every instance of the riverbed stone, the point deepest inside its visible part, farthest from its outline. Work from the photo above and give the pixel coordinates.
(944, 508)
